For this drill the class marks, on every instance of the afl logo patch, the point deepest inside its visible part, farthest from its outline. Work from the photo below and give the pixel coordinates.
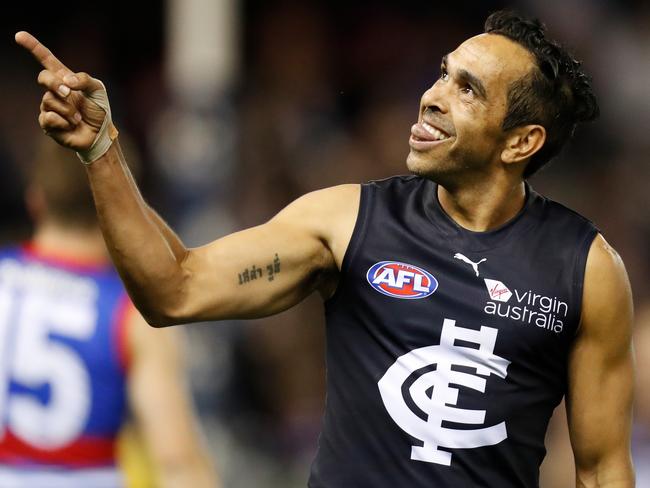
(401, 280)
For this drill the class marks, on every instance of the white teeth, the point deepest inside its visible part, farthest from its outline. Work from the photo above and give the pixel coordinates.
(434, 132)
(431, 130)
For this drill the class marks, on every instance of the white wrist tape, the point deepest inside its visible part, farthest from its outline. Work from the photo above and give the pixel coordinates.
(107, 132)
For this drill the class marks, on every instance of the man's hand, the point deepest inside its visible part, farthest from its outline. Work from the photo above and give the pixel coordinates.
(68, 113)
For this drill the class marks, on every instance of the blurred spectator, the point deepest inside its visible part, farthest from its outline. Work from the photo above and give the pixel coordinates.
(76, 353)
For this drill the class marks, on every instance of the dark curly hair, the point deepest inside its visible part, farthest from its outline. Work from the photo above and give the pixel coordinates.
(557, 94)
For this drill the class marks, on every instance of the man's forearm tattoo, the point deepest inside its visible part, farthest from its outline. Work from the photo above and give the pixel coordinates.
(255, 272)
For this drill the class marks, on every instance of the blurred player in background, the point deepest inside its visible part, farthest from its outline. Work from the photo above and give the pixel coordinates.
(461, 305)
(75, 355)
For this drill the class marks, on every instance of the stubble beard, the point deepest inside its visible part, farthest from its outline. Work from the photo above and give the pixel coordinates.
(439, 170)
(451, 171)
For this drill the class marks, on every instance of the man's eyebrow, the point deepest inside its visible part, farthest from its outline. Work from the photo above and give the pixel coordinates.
(465, 75)
(476, 83)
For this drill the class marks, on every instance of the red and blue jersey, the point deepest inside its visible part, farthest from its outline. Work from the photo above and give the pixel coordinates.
(63, 363)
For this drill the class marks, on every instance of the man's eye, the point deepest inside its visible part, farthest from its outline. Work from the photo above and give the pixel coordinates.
(444, 75)
(467, 89)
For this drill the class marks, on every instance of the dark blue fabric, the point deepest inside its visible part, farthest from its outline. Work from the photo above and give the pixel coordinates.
(538, 257)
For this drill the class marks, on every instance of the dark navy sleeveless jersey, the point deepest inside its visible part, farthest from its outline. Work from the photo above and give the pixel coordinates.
(447, 349)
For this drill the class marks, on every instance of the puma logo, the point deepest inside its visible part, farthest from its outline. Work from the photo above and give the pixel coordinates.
(465, 259)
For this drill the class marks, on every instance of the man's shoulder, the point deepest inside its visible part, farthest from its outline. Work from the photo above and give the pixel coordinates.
(396, 191)
(326, 200)
(554, 211)
(350, 192)
(321, 211)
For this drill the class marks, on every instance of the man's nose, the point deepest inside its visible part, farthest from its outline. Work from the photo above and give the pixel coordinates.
(434, 98)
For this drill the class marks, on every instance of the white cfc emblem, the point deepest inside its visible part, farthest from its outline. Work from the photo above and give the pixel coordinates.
(433, 396)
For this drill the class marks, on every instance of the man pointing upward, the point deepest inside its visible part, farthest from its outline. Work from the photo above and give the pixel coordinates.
(426, 387)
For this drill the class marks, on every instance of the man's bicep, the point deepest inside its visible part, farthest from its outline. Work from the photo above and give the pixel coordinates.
(253, 273)
(268, 268)
(600, 369)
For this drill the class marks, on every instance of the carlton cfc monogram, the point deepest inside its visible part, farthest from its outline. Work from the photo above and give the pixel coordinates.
(436, 406)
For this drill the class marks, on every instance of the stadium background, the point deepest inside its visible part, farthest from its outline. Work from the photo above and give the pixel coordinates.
(237, 107)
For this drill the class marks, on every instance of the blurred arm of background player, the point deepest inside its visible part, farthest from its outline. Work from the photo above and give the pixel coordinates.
(169, 283)
(599, 400)
(160, 405)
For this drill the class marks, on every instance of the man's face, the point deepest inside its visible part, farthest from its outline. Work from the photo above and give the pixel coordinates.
(459, 125)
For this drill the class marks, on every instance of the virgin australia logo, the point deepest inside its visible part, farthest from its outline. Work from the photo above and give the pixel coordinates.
(544, 311)
(432, 399)
(497, 290)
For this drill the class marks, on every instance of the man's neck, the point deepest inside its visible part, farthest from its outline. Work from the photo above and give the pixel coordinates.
(483, 207)
(85, 244)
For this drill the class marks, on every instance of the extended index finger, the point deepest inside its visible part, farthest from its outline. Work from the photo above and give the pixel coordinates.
(42, 54)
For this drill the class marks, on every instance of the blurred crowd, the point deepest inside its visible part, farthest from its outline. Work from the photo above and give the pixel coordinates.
(325, 93)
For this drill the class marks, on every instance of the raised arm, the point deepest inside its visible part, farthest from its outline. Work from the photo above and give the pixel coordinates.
(252, 273)
(599, 401)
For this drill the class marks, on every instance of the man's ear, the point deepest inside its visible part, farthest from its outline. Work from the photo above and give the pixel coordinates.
(522, 143)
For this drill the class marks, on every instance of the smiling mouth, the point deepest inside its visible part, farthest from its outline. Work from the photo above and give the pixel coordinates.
(436, 133)
(424, 136)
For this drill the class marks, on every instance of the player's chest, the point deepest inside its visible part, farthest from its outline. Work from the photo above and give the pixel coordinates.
(411, 290)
